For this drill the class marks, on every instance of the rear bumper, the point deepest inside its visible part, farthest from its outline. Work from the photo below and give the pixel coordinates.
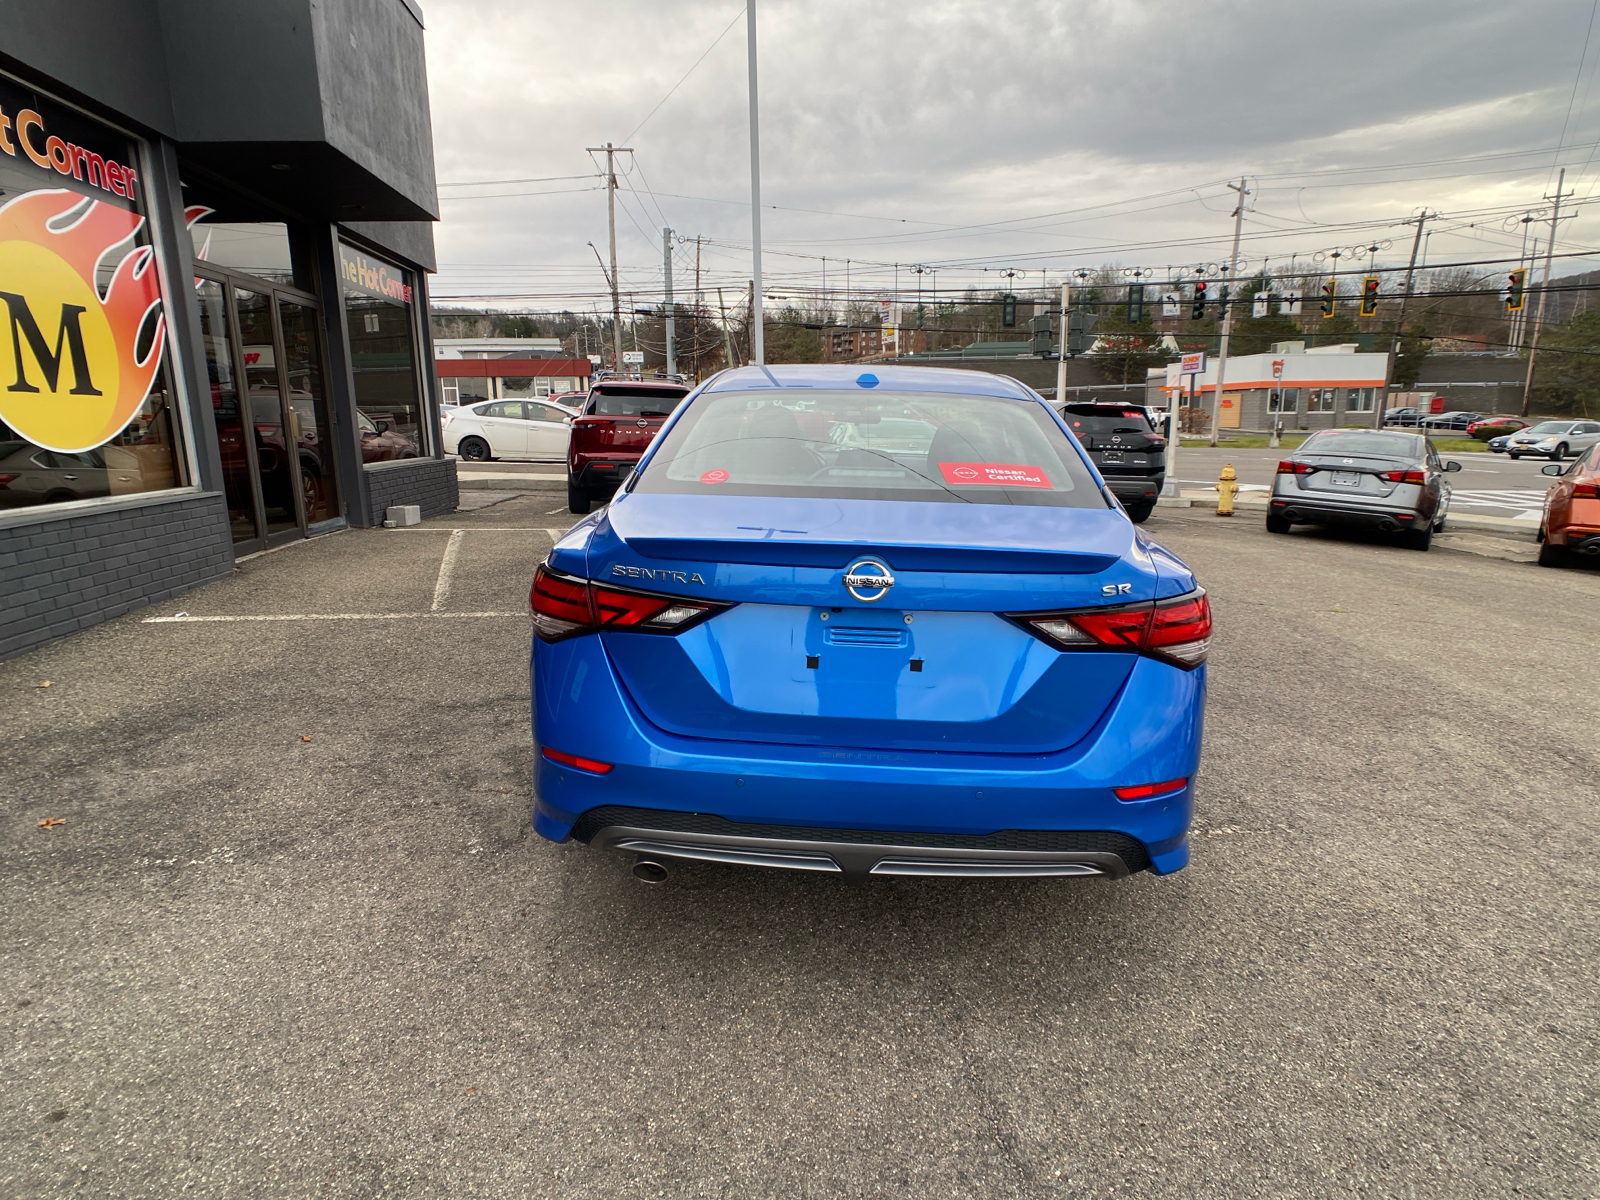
(1396, 511)
(860, 812)
(1578, 539)
(600, 474)
(1135, 489)
(857, 854)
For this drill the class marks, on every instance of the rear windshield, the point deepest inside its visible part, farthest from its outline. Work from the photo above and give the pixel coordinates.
(875, 446)
(619, 400)
(1101, 418)
(1342, 441)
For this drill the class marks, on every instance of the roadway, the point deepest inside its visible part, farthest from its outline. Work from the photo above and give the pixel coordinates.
(1490, 485)
(296, 938)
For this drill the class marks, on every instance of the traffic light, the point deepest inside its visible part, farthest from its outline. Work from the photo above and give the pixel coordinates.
(1199, 309)
(1080, 337)
(1008, 310)
(1330, 294)
(1039, 334)
(1514, 291)
(1369, 295)
(1135, 303)
(1222, 303)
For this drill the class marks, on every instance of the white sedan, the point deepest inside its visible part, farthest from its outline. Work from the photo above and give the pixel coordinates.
(508, 429)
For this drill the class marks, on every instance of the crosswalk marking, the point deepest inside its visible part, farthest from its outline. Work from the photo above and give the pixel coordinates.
(1505, 497)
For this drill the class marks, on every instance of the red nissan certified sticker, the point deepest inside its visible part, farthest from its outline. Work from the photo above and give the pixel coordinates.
(717, 476)
(993, 474)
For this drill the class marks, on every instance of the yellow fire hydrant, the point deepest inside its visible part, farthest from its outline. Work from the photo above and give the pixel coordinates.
(1227, 486)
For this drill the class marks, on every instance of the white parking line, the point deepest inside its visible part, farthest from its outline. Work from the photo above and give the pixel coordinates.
(188, 620)
(447, 566)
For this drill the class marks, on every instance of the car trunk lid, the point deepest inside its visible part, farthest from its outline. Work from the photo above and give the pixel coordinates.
(929, 666)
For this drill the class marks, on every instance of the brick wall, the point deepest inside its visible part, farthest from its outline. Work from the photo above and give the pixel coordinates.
(430, 482)
(63, 574)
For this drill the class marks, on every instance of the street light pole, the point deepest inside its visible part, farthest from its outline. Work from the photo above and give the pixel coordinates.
(757, 308)
(1061, 359)
(666, 266)
(1227, 316)
(611, 153)
(1544, 292)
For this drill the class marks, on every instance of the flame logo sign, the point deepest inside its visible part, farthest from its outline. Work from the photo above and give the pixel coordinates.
(70, 375)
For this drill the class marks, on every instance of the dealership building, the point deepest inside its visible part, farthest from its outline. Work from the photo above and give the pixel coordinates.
(214, 248)
(1316, 388)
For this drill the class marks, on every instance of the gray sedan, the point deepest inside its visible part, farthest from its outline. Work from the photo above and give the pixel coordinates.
(1376, 479)
(1554, 439)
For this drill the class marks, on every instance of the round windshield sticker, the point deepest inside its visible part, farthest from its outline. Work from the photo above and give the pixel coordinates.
(718, 476)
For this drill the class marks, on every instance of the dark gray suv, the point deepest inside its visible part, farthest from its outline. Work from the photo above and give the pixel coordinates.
(1130, 454)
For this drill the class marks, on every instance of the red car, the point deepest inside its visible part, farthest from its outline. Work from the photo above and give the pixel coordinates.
(1571, 523)
(1485, 428)
(620, 418)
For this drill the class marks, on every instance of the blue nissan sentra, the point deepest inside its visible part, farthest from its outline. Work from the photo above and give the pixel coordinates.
(868, 622)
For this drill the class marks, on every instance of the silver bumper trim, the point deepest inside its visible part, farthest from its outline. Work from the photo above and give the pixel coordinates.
(855, 860)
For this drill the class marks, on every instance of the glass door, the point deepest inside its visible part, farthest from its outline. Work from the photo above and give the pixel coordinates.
(227, 405)
(277, 479)
(274, 428)
(307, 411)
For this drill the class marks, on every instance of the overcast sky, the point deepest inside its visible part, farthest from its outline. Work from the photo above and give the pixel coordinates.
(974, 138)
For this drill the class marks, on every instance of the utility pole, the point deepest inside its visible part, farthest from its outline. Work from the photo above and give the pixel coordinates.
(611, 217)
(666, 266)
(1061, 359)
(727, 338)
(757, 307)
(1400, 320)
(1227, 316)
(1544, 291)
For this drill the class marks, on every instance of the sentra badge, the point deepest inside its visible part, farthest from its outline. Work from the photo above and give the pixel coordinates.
(70, 373)
(659, 575)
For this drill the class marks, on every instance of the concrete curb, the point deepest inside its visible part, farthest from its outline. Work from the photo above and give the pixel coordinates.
(512, 483)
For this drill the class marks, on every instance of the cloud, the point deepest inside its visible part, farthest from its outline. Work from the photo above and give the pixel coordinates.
(952, 113)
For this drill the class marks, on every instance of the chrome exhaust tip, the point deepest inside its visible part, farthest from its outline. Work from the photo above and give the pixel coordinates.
(648, 870)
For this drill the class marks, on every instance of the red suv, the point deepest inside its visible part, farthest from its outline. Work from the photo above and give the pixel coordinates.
(619, 419)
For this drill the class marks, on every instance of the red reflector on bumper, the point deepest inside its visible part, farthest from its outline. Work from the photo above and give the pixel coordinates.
(1144, 791)
(573, 760)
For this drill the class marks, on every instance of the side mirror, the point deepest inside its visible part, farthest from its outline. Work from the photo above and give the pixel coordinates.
(1452, 465)
(383, 426)
(1553, 469)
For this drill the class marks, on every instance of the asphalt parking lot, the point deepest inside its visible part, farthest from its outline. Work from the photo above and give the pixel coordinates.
(295, 937)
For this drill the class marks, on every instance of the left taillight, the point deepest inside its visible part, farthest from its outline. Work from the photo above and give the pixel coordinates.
(564, 606)
(1177, 631)
(1580, 491)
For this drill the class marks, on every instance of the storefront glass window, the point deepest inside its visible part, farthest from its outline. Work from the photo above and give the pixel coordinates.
(524, 386)
(257, 248)
(380, 315)
(86, 402)
(466, 390)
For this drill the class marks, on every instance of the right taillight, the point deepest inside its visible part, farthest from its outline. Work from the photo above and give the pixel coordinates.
(564, 606)
(1405, 476)
(1177, 631)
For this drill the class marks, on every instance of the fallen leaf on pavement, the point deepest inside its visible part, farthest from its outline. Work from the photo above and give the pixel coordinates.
(52, 822)
(304, 738)
(46, 683)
